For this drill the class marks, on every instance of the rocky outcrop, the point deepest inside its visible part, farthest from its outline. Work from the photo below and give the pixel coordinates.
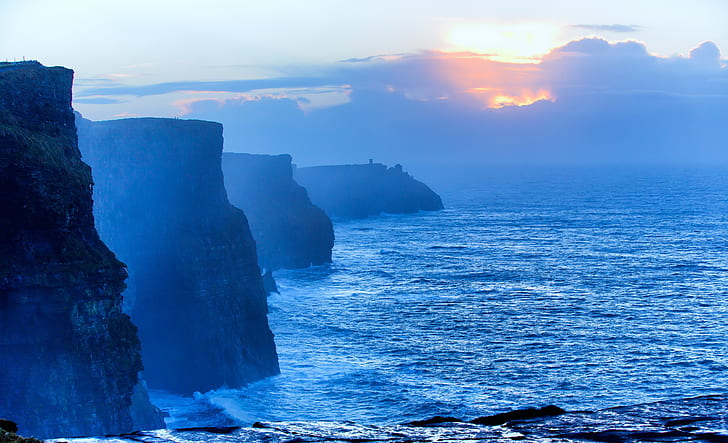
(289, 230)
(195, 289)
(10, 437)
(70, 356)
(358, 191)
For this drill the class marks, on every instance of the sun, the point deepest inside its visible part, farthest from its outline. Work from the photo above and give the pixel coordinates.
(513, 43)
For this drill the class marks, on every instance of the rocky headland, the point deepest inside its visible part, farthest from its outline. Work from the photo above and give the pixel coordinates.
(359, 191)
(195, 289)
(290, 231)
(70, 355)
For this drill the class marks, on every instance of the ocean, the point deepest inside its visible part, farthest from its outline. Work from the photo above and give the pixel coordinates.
(580, 287)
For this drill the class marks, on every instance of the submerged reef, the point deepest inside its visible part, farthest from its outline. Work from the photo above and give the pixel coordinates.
(70, 355)
(195, 289)
(359, 191)
(289, 230)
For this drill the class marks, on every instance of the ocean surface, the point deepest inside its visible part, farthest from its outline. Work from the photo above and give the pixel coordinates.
(586, 289)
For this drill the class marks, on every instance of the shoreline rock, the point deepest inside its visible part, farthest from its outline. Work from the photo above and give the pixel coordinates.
(12, 437)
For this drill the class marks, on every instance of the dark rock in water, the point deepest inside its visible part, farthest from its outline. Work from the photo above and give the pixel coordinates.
(519, 414)
(618, 436)
(658, 421)
(434, 421)
(70, 355)
(8, 426)
(358, 191)
(195, 289)
(289, 230)
(269, 283)
(224, 430)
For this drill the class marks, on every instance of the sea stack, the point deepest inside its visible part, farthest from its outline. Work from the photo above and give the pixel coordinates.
(289, 230)
(195, 289)
(70, 356)
(358, 191)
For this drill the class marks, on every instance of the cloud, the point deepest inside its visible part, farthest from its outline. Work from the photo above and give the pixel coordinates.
(88, 82)
(97, 101)
(372, 58)
(610, 28)
(597, 66)
(587, 102)
(612, 103)
(226, 86)
(707, 54)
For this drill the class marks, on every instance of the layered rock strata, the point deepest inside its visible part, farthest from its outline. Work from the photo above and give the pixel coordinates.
(70, 355)
(289, 230)
(358, 191)
(195, 289)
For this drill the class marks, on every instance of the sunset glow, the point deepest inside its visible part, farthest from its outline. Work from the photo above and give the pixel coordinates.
(487, 83)
(524, 99)
(499, 98)
(515, 43)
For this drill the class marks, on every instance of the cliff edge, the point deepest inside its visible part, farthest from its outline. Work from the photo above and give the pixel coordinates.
(195, 289)
(358, 191)
(70, 356)
(289, 230)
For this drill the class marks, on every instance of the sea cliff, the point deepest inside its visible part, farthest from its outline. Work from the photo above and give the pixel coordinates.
(195, 289)
(289, 230)
(358, 191)
(70, 355)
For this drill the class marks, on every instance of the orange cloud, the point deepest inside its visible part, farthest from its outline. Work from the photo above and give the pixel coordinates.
(487, 83)
(526, 98)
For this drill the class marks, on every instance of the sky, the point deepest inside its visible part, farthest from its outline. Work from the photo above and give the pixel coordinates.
(401, 81)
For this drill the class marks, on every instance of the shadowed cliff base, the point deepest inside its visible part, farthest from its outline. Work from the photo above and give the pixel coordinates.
(359, 191)
(71, 357)
(195, 289)
(289, 230)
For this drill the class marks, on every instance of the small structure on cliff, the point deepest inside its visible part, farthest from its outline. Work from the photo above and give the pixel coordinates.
(289, 230)
(70, 355)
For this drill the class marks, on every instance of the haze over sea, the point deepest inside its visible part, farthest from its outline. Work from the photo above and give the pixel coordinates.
(584, 288)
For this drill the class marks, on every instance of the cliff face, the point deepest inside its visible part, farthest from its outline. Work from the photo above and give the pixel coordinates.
(289, 230)
(70, 356)
(358, 191)
(195, 289)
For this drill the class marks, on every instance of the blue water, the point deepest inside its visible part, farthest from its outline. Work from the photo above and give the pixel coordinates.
(585, 289)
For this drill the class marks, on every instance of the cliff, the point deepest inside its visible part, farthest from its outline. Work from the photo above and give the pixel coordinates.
(70, 356)
(289, 230)
(195, 289)
(358, 191)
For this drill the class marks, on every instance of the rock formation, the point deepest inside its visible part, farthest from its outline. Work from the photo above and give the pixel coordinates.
(70, 356)
(358, 191)
(289, 230)
(195, 289)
